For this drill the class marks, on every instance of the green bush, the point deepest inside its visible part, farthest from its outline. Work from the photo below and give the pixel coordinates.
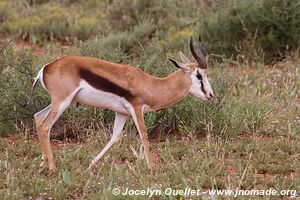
(49, 21)
(13, 81)
(263, 29)
(126, 14)
(257, 30)
(127, 41)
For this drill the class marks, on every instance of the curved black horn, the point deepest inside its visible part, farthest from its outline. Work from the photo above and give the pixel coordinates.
(193, 51)
(197, 53)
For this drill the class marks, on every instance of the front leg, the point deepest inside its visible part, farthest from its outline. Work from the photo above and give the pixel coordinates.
(120, 120)
(138, 118)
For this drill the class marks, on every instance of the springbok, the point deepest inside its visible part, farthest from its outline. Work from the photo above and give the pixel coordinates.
(126, 90)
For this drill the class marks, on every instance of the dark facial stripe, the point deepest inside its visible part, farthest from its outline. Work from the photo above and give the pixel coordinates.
(202, 87)
(199, 77)
(103, 84)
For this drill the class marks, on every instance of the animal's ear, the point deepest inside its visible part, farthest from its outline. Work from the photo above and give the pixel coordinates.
(180, 65)
(184, 59)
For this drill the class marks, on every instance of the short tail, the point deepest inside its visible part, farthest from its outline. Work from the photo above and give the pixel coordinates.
(29, 101)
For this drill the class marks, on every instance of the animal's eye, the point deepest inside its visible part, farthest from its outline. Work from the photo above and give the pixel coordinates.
(199, 76)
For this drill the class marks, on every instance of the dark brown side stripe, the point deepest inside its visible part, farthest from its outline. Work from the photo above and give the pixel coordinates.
(103, 84)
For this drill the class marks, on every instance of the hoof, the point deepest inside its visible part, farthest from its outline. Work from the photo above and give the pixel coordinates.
(91, 167)
(151, 166)
(52, 168)
(43, 164)
(151, 162)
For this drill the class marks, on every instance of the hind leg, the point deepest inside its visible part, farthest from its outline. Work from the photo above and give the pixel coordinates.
(58, 106)
(44, 128)
(38, 117)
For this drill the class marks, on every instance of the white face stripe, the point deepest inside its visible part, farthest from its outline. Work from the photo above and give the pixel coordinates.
(199, 85)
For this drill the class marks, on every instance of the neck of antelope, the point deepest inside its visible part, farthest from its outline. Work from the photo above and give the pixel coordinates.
(170, 90)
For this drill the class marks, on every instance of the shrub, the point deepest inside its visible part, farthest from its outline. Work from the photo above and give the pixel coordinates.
(263, 29)
(13, 81)
(126, 14)
(50, 21)
(126, 41)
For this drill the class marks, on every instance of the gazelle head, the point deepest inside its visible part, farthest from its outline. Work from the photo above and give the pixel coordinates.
(200, 86)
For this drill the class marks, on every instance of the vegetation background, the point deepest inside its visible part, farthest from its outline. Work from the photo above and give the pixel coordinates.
(246, 138)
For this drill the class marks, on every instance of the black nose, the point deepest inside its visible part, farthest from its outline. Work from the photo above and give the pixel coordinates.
(211, 95)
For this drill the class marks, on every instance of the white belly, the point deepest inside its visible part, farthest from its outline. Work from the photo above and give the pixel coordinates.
(88, 95)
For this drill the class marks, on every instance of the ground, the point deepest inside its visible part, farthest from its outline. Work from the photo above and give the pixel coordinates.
(198, 163)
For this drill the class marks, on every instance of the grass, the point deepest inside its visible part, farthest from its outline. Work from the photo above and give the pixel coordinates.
(50, 21)
(244, 162)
